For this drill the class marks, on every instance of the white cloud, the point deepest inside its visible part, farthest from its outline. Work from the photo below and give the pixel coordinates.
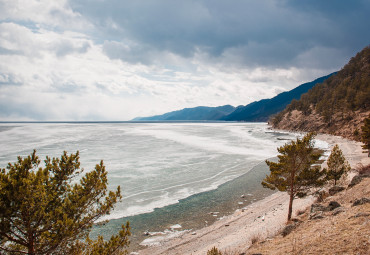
(43, 13)
(115, 60)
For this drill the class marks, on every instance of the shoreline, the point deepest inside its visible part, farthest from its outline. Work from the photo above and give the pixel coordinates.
(259, 220)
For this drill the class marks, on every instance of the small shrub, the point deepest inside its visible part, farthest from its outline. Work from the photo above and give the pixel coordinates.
(214, 251)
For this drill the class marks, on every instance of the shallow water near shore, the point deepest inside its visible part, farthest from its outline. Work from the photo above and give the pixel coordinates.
(192, 213)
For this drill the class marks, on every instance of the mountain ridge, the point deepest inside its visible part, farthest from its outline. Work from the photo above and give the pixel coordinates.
(257, 111)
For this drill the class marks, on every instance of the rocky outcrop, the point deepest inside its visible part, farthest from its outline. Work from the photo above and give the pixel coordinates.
(334, 190)
(361, 201)
(344, 126)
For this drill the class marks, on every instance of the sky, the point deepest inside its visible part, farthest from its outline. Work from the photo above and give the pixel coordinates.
(101, 60)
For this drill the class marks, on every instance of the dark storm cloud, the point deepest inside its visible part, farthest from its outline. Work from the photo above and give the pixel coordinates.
(268, 33)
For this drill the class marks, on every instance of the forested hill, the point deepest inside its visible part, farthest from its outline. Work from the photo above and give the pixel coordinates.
(196, 113)
(263, 109)
(337, 106)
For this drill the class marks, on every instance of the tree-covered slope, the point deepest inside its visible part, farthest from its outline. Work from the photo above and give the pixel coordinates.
(263, 109)
(337, 106)
(197, 113)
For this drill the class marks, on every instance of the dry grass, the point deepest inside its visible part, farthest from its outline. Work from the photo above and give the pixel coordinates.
(340, 234)
(300, 212)
(363, 170)
(256, 238)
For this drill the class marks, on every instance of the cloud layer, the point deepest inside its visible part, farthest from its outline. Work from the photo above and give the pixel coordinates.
(115, 60)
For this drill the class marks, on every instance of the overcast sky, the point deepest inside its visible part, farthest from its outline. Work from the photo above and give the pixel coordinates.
(119, 59)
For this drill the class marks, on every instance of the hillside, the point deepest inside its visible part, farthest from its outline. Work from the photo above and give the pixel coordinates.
(263, 109)
(337, 106)
(344, 230)
(258, 111)
(197, 113)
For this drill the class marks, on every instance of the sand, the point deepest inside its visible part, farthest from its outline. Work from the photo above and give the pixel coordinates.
(259, 220)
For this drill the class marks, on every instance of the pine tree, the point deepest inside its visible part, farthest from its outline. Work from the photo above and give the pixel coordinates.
(337, 165)
(294, 171)
(365, 135)
(51, 209)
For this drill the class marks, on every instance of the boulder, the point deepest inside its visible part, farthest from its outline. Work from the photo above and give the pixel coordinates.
(334, 190)
(355, 180)
(316, 216)
(362, 214)
(338, 210)
(332, 205)
(318, 208)
(361, 201)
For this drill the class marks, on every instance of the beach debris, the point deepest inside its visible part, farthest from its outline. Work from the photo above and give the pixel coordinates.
(146, 233)
(194, 233)
(240, 203)
(226, 225)
(263, 218)
(242, 196)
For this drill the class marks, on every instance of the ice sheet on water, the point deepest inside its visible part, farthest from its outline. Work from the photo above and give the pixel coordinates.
(155, 164)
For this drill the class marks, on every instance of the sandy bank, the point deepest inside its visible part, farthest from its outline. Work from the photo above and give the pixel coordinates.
(258, 220)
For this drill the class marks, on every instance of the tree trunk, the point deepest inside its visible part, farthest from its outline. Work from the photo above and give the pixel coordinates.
(291, 197)
(31, 244)
(291, 194)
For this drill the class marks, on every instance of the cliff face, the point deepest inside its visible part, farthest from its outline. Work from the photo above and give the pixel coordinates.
(341, 126)
(337, 106)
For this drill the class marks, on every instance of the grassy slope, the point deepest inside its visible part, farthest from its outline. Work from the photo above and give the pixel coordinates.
(334, 234)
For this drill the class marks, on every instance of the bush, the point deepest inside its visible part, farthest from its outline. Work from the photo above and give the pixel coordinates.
(214, 251)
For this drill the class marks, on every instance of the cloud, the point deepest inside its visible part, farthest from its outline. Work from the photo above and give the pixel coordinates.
(118, 59)
(259, 33)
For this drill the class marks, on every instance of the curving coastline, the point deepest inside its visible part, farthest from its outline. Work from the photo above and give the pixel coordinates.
(262, 219)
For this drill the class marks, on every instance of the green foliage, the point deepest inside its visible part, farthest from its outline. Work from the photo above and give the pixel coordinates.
(365, 135)
(214, 251)
(48, 211)
(341, 94)
(294, 171)
(337, 165)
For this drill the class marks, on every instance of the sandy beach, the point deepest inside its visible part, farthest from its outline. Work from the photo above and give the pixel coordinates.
(259, 220)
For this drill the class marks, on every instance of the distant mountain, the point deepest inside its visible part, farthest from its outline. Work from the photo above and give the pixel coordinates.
(197, 113)
(259, 111)
(263, 109)
(337, 106)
